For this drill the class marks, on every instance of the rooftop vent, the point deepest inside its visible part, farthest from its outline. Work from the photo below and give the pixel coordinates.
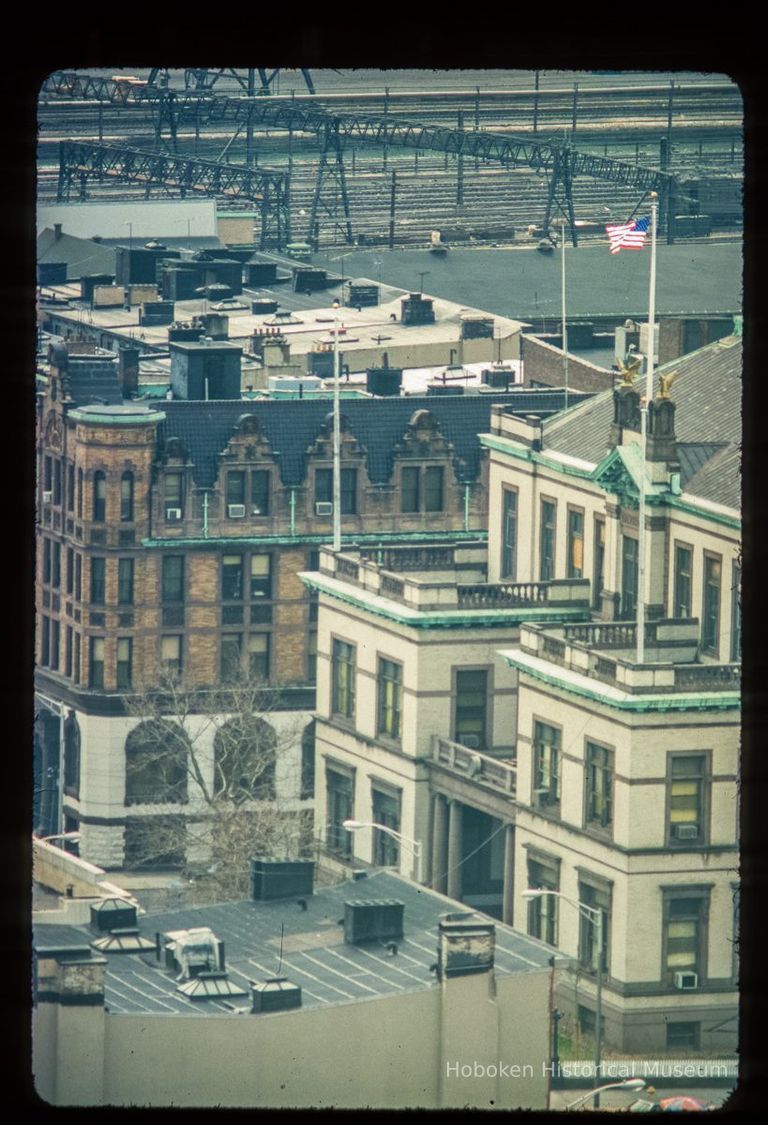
(372, 921)
(124, 940)
(191, 952)
(275, 995)
(211, 986)
(466, 944)
(281, 878)
(112, 914)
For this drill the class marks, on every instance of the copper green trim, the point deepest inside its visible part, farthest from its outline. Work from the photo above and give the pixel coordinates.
(138, 419)
(704, 513)
(447, 619)
(507, 446)
(677, 701)
(385, 538)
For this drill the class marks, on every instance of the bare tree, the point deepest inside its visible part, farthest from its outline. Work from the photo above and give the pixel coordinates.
(206, 760)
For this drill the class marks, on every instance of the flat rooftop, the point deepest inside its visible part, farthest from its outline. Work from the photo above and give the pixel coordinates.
(315, 955)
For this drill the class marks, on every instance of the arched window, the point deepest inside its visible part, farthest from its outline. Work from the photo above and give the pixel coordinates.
(308, 762)
(71, 756)
(126, 497)
(99, 497)
(244, 760)
(156, 755)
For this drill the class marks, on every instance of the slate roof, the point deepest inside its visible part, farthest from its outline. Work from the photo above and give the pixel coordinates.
(82, 255)
(291, 426)
(707, 394)
(315, 955)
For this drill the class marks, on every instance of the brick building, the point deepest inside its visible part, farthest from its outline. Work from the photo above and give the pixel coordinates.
(170, 538)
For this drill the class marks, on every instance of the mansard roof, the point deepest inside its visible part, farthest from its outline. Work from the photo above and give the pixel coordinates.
(378, 424)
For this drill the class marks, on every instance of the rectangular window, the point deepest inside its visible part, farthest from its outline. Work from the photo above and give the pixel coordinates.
(688, 791)
(340, 805)
(76, 670)
(99, 497)
(96, 676)
(390, 691)
(47, 547)
(173, 578)
(312, 657)
(323, 486)
(470, 708)
(386, 811)
(57, 481)
(596, 898)
(547, 541)
(230, 657)
(629, 561)
(433, 488)
(126, 498)
(261, 576)
(599, 788)
(80, 491)
(598, 577)
(170, 656)
(70, 570)
(98, 581)
(542, 910)
(45, 641)
(236, 487)
(685, 936)
(546, 765)
(410, 477)
(258, 655)
(348, 492)
(260, 487)
(575, 543)
(683, 1036)
(173, 495)
(509, 534)
(70, 487)
(343, 670)
(125, 581)
(124, 662)
(78, 577)
(48, 474)
(736, 612)
(710, 618)
(232, 578)
(682, 593)
(56, 565)
(68, 651)
(55, 642)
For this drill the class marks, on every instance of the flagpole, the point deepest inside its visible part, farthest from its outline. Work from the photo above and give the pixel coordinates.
(565, 323)
(649, 367)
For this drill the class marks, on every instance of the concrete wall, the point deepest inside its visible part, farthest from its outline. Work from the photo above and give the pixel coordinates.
(235, 229)
(388, 1053)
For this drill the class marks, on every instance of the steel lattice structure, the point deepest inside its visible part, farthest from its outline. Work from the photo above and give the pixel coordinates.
(80, 161)
(559, 161)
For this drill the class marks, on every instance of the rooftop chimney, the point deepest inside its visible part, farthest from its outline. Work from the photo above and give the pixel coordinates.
(57, 231)
(465, 944)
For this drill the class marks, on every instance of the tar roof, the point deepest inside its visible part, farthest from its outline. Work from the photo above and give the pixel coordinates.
(315, 955)
(82, 255)
(707, 395)
(292, 426)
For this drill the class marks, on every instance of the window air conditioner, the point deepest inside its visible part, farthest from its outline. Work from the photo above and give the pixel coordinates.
(47, 497)
(686, 981)
(172, 514)
(471, 741)
(255, 511)
(686, 831)
(235, 511)
(323, 508)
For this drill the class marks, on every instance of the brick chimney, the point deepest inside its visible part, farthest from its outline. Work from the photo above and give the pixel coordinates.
(56, 231)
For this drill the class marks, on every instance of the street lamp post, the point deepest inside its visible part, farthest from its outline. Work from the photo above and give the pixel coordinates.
(414, 845)
(628, 1084)
(336, 434)
(595, 917)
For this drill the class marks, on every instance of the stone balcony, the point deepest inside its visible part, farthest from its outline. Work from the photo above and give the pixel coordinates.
(499, 773)
(450, 578)
(607, 651)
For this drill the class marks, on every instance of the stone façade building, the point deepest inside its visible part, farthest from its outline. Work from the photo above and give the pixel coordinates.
(558, 759)
(170, 538)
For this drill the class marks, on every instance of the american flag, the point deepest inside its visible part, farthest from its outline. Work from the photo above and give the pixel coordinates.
(629, 236)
